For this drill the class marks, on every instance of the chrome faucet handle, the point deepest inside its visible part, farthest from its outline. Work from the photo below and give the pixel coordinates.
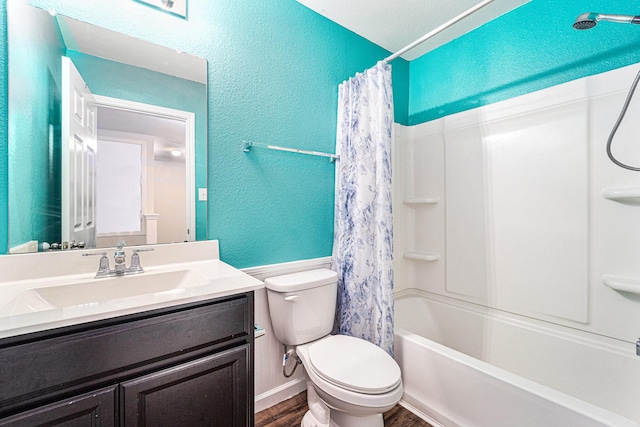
(94, 254)
(103, 267)
(135, 261)
(135, 251)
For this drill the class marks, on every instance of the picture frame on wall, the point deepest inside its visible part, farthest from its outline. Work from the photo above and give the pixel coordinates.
(173, 7)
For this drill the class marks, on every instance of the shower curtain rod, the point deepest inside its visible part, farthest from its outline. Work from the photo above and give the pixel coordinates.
(437, 30)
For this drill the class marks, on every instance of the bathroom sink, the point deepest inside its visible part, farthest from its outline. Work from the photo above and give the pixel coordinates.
(99, 291)
(58, 289)
(114, 288)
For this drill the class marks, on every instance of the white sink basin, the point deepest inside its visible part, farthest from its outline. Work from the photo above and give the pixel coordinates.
(57, 289)
(99, 291)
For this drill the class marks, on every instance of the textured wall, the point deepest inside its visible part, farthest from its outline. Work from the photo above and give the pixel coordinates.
(34, 61)
(274, 68)
(278, 68)
(4, 133)
(530, 48)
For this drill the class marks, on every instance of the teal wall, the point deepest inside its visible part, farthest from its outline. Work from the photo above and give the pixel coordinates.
(34, 126)
(530, 48)
(274, 69)
(274, 76)
(4, 133)
(117, 80)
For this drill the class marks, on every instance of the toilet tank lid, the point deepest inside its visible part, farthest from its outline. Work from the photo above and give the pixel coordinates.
(302, 280)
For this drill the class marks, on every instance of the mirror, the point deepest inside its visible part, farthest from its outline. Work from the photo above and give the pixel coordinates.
(107, 136)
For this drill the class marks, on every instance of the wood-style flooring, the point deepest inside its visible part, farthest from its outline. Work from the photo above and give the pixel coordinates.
(290, 412)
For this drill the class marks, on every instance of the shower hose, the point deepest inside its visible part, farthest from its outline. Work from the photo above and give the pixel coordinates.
(617, 124)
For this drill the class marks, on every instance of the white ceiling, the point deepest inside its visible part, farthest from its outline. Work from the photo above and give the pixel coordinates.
(391, 24)
(168, 134)
(394, 24)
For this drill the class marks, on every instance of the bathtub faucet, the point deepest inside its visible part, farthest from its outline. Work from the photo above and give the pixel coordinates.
(638, 347)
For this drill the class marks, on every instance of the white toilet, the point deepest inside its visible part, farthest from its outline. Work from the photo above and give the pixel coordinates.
(350, 382)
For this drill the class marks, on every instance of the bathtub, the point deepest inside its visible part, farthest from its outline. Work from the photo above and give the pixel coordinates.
(466, 365)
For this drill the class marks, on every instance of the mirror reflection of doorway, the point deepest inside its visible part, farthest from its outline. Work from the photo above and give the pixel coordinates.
(142, 178)
(125, 68)
(78, 158)
(127, 169)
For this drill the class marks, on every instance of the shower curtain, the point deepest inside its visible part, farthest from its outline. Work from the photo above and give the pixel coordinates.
(362, 245)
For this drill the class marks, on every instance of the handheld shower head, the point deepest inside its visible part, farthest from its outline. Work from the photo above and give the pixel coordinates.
(589, 20)
(586, 21)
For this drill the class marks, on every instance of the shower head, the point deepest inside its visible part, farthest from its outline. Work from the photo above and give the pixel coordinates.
(586, 21)
(589, 20)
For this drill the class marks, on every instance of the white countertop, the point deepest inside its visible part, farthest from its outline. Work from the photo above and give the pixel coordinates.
(86, 299)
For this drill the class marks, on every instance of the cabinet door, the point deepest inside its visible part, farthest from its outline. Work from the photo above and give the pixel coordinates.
(211, 391)
(87, 410)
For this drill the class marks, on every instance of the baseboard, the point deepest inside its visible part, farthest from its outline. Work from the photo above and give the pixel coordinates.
(409, 407)
(279, 394)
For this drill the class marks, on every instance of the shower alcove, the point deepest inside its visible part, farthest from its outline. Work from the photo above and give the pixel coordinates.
(513, 211)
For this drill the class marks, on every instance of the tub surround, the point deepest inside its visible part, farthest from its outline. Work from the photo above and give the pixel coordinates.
(525, 222)
(533, 226)
(33, 296)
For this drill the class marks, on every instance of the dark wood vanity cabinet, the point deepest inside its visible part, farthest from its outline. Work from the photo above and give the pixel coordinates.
(187, 365)
(151, 400)
(91, 409)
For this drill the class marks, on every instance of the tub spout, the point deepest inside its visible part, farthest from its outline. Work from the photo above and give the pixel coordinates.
(638, 347)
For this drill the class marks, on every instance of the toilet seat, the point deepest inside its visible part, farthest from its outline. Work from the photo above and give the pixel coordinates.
(354, 364)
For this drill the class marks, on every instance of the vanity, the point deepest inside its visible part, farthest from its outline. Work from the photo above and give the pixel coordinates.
(74, 353)
(170, 346)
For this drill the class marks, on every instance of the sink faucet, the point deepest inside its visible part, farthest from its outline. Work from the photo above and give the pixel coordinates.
(120, 267)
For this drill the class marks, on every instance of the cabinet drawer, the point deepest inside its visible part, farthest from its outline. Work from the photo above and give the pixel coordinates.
(101, 355)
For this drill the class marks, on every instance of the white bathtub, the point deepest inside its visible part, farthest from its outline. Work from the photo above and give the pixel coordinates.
(465, 365)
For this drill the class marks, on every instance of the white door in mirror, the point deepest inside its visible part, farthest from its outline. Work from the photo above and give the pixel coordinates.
(78, 158)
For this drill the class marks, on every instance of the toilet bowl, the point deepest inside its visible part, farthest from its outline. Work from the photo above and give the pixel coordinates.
(350, 382)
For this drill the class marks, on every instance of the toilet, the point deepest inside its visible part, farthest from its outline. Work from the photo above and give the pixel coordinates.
(350, 381)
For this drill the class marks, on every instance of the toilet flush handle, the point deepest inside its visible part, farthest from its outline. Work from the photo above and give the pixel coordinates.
(291, 298)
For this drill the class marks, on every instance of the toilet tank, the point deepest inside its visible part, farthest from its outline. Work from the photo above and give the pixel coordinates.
(302, 305)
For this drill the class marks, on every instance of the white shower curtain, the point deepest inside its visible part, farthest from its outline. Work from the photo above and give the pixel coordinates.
(362, 245)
